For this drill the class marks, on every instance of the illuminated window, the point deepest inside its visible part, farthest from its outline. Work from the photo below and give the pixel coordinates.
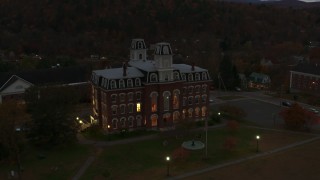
(204, 111)
(154, 101)
(197, 111)
(154, 120)
(175, 99)
(190, 112)
(183, 114)
(138, 107)
(176, 116)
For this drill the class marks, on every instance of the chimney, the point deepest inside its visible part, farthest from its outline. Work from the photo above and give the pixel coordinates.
(124, 66)
(192, 66)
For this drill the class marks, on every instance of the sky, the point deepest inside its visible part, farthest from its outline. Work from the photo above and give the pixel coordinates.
(310, 0)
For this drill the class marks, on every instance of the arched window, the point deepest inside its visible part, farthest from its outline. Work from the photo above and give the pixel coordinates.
(114, 98)
(121, 83)
(197, 99)
(184, 101)
(190, 89)
(137, 82)
(113, 84)
(165, 50)
(129, 83)
(130, 96)
(197, 89)
(130, 108)
(197, 112)
(204, 98)
(183, 76)
(204, 111)
(190, 77)
(114, 109)
(190, 112)
(176, 116)
(166, 100)
(175, 99)
(122, 97)
(176, 76)
(204, 76)
(190, 100)
(184, 114)
(123, 122)
(204, 88)
(154, 101)
(153, 77)
(130, 121)
(197, 77)
(139, 120)
(115, 123)
(122, 108)
(154, 120)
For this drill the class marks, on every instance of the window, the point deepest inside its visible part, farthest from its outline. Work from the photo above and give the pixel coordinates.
(123, 122)
(183, 77)
(113, 84)
(190, 77)
(166, 100)
(130, 96)
(176, 116)
(121, 83)
(176, 76)
(197, 77)
(204, 111)
(140, 56)
(190, 89)
(114, 98)
(130, 121)
(139, 120)
(130, 108)
(137, 82)
(154, 120)
(115, 123)
(184, 102)
(185, 90)
(138, 96)
(197, 112)
(166, 117)
(175, 99)
(114, 110)
(204, 76)
(153, 77)
(129, 83)
(138, 107)
(154, 101)
(197, 89)
(190, 112)
(122, 97)
(197, 99)
(122, 108)
(190, 100)
(204, 98)
(204, 88)
(184, 114)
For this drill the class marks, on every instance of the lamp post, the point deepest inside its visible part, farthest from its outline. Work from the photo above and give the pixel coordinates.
(257, 138)
(168, 160)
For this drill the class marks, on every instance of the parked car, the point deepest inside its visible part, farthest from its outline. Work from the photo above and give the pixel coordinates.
(211, 100)
(313, 110)
(286, 103)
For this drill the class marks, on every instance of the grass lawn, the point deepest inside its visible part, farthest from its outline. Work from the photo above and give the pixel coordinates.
(59, 163)
(147, 159)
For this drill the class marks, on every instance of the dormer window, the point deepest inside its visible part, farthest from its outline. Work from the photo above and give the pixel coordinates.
(197, 77)
(183, 76)
(113, 84)
(137, 82)
(153, 77)
(190, 77)
(204, 76)
(121, 83)
(176, 76)
(129, 83)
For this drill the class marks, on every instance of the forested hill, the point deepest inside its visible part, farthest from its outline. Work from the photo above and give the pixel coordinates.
(83, 27)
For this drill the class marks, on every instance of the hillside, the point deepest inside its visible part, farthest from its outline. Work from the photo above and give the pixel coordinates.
(197, 29)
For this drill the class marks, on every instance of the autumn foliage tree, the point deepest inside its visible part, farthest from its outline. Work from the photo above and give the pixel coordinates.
(297, 118)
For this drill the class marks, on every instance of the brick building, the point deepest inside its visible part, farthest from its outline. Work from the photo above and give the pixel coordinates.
(149, 94)
(305, 78)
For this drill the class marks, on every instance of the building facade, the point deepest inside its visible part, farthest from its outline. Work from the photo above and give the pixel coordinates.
(305, 78)
(149, 94)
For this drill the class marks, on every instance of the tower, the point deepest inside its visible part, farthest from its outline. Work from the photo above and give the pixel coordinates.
(163, 61)
(138, 50)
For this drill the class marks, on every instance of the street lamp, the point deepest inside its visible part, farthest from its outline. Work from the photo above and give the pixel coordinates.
(168, 160)
(257, 138)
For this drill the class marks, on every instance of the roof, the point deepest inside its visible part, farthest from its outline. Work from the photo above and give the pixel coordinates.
(307, 68)
(149, 66)
(47, 76)
(117, 73)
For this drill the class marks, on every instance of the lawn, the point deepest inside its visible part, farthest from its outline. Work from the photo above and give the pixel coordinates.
(56, 163)
(229, 97)
(147, 159)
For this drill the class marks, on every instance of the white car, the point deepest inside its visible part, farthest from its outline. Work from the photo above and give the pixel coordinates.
(313, 110)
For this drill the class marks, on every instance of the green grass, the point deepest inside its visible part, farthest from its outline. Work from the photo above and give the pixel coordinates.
(57, 163)
(121, 161)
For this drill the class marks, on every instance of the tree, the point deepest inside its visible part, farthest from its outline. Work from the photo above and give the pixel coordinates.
(51, 109)
(12, 116)
(228, 72)
(297, 118)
